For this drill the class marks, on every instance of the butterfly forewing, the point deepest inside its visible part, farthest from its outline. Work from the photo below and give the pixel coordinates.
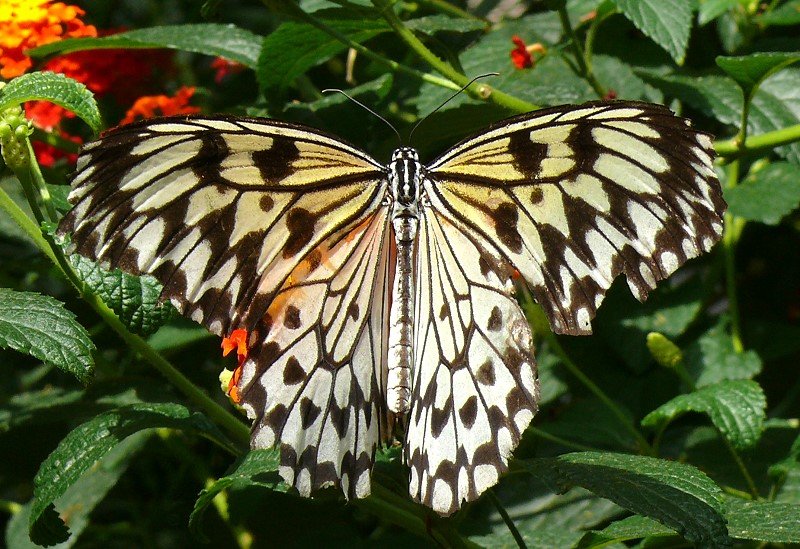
(574, 196)
(219, 210)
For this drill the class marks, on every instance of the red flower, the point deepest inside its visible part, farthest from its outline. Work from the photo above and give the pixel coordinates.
(161, 105)
(237, 340)
(123, 74)
(48, 116)
(47, 155)
(521, 54)
(225, 67)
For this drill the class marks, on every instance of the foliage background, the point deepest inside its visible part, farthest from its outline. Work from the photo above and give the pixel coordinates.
(676, 423)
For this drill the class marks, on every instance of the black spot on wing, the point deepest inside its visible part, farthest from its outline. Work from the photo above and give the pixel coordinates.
(527, 155)
(300, 223)
(275, 163)
(506, 217)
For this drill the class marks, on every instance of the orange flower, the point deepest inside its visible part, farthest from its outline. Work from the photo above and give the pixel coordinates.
(237, 340)
(161, 105)
(225, 67)
(26, 24)
(521, 54)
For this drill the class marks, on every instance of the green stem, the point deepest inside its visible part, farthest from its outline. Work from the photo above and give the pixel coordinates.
(235, 428)
(41, 185)
(584, 64)
(477, 90)
(623, 418)
(446, 7)
(395, 66)
(733, 148)
(27, 225)
(558, 440)
(399, 510)
(507, 519)
(751, 485)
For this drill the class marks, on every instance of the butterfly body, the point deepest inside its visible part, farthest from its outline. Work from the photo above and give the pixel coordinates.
(370, 290)
(404, 187)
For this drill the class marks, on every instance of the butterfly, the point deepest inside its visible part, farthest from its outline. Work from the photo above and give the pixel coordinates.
(379, 296)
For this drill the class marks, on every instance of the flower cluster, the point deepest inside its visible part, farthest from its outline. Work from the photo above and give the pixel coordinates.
(26, 24)
(161, 105)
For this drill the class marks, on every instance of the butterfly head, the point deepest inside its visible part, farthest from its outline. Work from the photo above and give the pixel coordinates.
(405, 180)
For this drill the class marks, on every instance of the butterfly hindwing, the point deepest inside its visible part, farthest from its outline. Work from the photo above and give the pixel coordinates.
(474, 387)
(573, 196)
(219, 210)
(314, 380)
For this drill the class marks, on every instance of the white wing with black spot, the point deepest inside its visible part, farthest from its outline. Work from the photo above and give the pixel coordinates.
(315, 379)
(474, 385)
(575, 195)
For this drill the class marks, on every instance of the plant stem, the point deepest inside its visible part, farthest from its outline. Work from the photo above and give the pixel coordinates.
(507, 519)
(28, 226)
(446, 7)
(558, 440)
(584, 64)
(235, 428)
(478, 90)
(759, 143)
(400, 511)
(751, 485)
(363, 50)
(623, 418)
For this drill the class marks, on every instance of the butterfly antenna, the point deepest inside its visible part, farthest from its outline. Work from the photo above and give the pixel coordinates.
(363, 106)
(467, 85)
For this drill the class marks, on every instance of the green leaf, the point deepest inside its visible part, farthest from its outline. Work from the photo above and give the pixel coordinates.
(774, 106)
(750, 70)
(766, 195)
(711, 9)
(627, 529)
(432, 24)
(82, 497)
(712, 358)
(82, 448)
(134, 299)
(784, 15)
(39, 326)
(543, 519)
(737, 408)
(256, 468)
(228, 41)
(310, 46)
(764, 521)
(666, 22)
(676, 495)
(55, 88)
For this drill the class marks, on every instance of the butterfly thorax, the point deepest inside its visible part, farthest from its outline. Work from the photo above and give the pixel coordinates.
(405, 185)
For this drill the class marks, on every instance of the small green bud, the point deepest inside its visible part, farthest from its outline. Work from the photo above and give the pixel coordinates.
(666, 353)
